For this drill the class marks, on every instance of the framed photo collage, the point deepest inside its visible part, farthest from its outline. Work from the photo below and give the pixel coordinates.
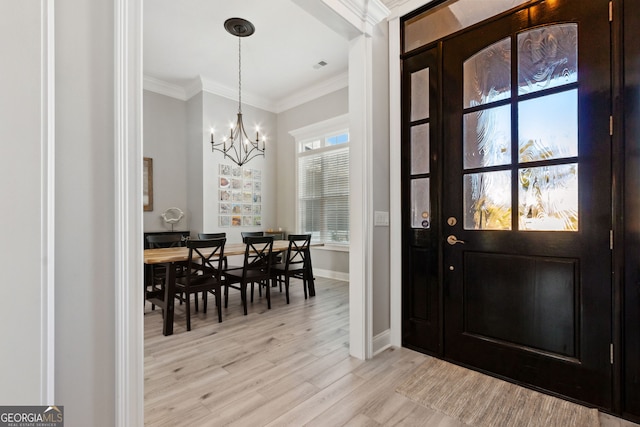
(239, 196)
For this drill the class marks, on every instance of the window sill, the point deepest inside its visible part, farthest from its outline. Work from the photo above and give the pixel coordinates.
(331, 247)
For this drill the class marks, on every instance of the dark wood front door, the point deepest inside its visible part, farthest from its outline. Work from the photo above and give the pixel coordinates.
(631, 293)
(526, 199)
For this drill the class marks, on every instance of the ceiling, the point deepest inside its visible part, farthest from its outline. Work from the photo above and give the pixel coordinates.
(185, 40)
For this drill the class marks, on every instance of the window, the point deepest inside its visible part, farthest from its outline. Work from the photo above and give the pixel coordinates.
(323, 181)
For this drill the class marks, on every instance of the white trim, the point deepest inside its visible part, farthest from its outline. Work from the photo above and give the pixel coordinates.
(330, 274)
(381, 342)
(129, 338)
(332, 247)
(395, 200)
(163, 88)
(47, 204)
(229, 92)
(361, 208)
(333, 124)
(313, 92)
(310, 93)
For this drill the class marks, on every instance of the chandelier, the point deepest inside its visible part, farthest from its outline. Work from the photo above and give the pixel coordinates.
(237, 146)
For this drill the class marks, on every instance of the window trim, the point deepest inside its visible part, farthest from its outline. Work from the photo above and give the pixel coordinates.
(334, 125)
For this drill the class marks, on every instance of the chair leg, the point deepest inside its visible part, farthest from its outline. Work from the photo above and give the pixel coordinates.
(243, 293)
(188, 305)
(286, 287)
(218, 304)
(267, 288)
(226, 296)
(204, 299)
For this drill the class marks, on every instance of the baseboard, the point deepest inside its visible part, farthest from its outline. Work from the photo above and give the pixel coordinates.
(381, 342)
(329, 274)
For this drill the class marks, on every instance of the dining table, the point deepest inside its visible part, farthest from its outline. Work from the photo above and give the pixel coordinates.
(172, 257)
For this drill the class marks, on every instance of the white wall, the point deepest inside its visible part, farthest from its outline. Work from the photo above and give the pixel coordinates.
(165, 141)
(323, 108)
(194, 190)
(381, 178)
(85, 177)
(20, 192)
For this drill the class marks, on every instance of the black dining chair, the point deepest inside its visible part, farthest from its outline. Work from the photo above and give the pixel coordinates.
(203, 274)
(256, 269)
(206, 236)
(296, 263)
(246, 234)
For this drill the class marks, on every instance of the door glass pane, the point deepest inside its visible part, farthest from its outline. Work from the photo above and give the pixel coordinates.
(487, 137)
(548, 198)
(487, 74)
(548, 127)
(487, 201)
(420, 149)
(420, 203)
(548, 57)
(420, 95)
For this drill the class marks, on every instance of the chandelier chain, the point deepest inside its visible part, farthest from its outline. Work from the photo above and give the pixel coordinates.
(239, 75)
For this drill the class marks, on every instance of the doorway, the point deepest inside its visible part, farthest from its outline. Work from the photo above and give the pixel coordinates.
(507, 199)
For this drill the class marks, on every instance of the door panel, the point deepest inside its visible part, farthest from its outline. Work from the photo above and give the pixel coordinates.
(526, 173)
(631, 329)
(421, 326)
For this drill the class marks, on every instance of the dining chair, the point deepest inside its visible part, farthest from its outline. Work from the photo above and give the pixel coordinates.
(203, 274)
(296, 263)
(206, 236)
(157, 273)
(246, 234)
(256, 268)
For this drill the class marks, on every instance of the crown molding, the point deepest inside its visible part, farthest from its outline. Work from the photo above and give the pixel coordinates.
(164, 88)
(362, 14)
(198, 85)
(248, 98)
(322, 88)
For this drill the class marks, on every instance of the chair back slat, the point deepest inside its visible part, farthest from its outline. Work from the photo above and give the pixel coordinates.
(205, 259)
(298, 252)
(164, 240)
(208, 236)
(257, 256)
(246, 234)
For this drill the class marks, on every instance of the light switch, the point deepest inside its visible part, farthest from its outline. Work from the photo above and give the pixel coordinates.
(381, 219)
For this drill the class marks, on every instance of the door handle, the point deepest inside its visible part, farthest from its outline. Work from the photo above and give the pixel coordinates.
(452, 240)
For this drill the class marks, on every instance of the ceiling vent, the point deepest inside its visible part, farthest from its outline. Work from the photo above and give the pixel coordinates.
(319, 65)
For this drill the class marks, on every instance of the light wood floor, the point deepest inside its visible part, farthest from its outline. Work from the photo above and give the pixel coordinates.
(288, 366)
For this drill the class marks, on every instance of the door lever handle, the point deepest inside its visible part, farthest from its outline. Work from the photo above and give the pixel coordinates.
(452, 240)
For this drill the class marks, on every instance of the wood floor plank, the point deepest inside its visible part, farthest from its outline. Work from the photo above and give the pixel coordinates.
(288, 366)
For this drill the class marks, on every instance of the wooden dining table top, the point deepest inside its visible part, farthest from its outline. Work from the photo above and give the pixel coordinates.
(181, 253)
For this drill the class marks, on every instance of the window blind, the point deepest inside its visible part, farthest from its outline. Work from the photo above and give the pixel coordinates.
(323, 194)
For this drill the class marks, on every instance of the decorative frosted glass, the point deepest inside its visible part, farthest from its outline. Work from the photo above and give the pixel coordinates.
(420, 203)
(547, 57)
(487, 201)
(487, 74)
(487, 137)
(548, 198)
(420, 95)
(548, 127)
(420, 149)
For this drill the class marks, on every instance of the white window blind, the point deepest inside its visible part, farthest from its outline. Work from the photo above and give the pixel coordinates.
(323, 188)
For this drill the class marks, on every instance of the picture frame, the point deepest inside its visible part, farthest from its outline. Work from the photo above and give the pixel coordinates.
(147, 183)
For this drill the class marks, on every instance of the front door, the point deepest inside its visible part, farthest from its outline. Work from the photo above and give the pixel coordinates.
(526, 206)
